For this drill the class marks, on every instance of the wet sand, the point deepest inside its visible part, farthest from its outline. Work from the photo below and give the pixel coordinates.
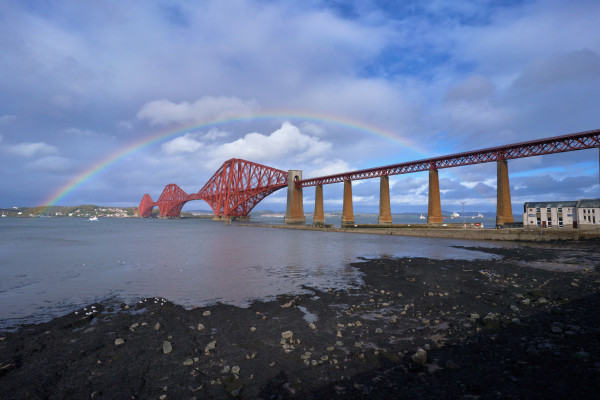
(525, 325)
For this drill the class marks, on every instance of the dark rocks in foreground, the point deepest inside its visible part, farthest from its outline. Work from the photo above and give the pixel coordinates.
(418, 328)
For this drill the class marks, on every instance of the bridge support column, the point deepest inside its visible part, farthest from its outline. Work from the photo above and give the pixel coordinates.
(347, 211)
(385, 210)
(434, 206)
(294, 214)
(504, 212)
(319, 215)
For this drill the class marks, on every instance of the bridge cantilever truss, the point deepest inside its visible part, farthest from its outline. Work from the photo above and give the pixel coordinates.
(233, 191)
(238, 185)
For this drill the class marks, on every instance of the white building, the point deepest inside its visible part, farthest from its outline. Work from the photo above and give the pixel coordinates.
(588, 213)
(581, 214)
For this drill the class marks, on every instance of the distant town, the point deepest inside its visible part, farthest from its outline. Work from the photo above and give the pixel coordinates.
(81, 211)
(90, 211)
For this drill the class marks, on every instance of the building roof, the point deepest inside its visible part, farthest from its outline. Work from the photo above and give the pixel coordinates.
(588, 203)
(545, 204)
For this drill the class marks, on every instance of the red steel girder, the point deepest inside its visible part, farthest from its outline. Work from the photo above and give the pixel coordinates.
(146, 206)
(171, 200)
(233, 191)
(238, 185)
(552, 145)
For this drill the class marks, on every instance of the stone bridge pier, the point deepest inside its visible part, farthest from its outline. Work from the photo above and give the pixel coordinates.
(294, 213)
(295, 208)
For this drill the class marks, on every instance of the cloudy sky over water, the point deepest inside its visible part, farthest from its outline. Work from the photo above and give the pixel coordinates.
(103, 101)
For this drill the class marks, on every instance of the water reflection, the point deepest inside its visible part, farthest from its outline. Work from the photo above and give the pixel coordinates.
(52, 265)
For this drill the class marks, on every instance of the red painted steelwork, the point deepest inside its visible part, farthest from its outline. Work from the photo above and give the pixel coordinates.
(233, 191)
(558, 144)
(145, 208)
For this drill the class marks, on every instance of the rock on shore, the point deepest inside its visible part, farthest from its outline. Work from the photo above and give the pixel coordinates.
(417, 328)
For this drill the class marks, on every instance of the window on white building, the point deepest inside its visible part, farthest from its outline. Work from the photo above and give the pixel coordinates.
(560, 222)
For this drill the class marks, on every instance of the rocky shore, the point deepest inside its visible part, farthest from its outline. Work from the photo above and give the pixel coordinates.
(525, 325)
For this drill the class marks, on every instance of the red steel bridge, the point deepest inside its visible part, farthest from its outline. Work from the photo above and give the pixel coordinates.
(239, 185)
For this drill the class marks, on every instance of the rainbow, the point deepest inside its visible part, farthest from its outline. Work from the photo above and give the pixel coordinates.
(95, 169)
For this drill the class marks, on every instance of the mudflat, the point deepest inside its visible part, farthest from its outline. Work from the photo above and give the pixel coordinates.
(525, 325)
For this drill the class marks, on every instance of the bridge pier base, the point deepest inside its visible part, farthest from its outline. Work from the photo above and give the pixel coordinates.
(319, 215)
(434, 206)
(385, 210)
(347, 210)
(294, 213)
(504, 212)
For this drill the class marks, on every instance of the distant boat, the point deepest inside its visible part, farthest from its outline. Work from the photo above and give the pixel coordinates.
(421, 217)
(455, 215)
(93, 218)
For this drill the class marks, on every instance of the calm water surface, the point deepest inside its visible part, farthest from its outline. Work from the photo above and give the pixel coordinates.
(51, 266)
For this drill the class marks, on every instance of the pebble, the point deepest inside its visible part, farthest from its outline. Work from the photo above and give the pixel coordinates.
(235, 369)
(201, 327)
(253, 329)
(188, 361)
(420, 357)
(206, 313)
(157, 326)
(378, 330)
(312, 326)
(210, 346)
(119, 341)
(167, 348)
(287, 334)
(475, 316)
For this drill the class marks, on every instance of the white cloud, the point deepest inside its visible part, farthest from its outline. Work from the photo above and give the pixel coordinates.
(215, 134)
(205, 109)
(5, 119)
(78, 132)
(50, 163)
(559, 69)
(286, 143)
(27, 149)
(328, 167)
(183, 144)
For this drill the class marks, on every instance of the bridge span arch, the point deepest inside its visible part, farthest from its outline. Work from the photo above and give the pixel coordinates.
(233, 191)
(239, 185)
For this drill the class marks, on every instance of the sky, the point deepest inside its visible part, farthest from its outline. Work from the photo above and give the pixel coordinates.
(103, 101)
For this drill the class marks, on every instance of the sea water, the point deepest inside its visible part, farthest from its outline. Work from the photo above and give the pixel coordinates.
(52, 266)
